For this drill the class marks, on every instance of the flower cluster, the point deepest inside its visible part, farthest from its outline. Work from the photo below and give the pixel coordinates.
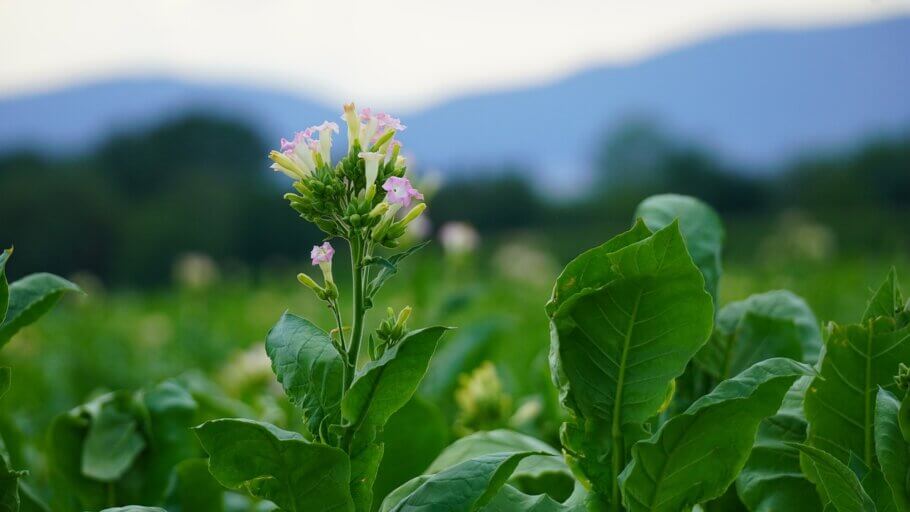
(364, 193)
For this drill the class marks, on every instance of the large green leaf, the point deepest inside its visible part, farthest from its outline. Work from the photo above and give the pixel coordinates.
(616, 348)
(536, 471)
(695, 456)
(29, 299)
(891, 449)
(277, 465)
(765, 325)
(5, 379)
(380, 389)
(836, 482)
(701, 228)
(385, 385)
(593, 268)
(114, 439)
(465, 487)
(510, 499)
(310, 369)
(772, 479)
(887, 300)
(4, 284)
(840, 403)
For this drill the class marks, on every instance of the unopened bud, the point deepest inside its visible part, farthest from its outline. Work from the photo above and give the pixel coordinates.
(379, 209)
(413, 214)
(403, 318)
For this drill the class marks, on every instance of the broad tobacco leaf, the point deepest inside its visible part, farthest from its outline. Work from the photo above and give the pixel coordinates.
(465, 487)
(701, 228)
(537, 471)
(310, 369)
(381, 388)
(195, 489)
(891, 449)
(29, 299)
(617, 345)
(837, 483)
(510, 499)
(765, 325)
(840, 403)
(772, 479)
(695, 456)
(277, 465)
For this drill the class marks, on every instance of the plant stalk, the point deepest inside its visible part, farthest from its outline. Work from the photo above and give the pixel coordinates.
(357, 320)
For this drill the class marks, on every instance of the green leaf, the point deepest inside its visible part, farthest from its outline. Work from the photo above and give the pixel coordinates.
(510, 499)
(29, 500)
(616, 348)
(4, 284)
(419, 430)
(114, 440)
(771, 324)
(531, 471)
(9, 486)
(385, 385)
(835, 481)
(875, 486)
(695, 456)
(701, 228)
(772, 479)
(887, 300)
(310, 369)
(171, 414)
(592, 268)
(380, 389)
(465, 487)
(29, 299)
(277, 465)
(891, 449)
(840, 403)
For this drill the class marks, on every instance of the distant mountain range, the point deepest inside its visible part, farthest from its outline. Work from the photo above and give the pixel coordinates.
(756, 97)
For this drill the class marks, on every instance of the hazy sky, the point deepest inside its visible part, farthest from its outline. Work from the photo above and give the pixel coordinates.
(391, 53)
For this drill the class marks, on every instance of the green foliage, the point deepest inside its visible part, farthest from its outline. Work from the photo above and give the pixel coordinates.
(837, 482)
(277, 465)
(700, 226)
(891, 448)
(310, 369)
(538, 473)
(772, 478)
(696, 455)
(29, 299)
(618, 344)
(771, 324)
(120, 448)
(467, 486)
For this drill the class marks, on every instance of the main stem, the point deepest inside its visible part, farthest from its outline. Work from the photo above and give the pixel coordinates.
(357, 321)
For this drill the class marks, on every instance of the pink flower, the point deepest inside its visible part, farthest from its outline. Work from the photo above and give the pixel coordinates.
(388, 122)
(322, 254)
(399, 191)
(326, 125)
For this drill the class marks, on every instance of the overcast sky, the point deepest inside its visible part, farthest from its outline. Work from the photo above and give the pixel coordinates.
(392, 53)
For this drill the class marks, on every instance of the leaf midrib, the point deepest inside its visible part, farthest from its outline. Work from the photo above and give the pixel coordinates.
(616, 427)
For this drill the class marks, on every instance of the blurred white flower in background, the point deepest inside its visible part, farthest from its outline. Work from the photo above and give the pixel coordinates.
(523, 261)
(798, 237)
(419, 228)
(195, 271)
(458, 238)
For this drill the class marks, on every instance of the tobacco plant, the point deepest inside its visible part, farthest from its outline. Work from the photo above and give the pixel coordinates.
(346, 381)
(21, 303)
